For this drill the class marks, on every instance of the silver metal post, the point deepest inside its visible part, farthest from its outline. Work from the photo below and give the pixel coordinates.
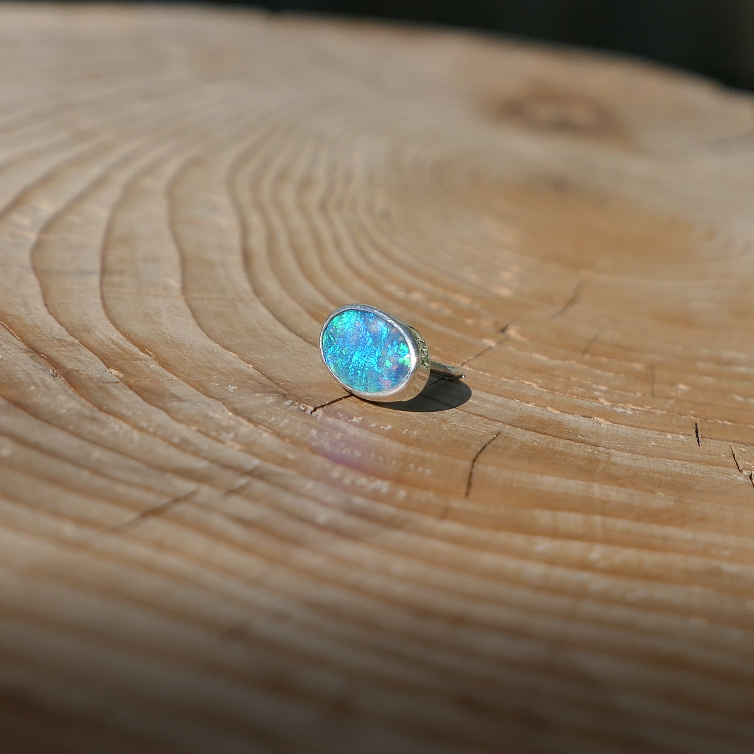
(445, 371)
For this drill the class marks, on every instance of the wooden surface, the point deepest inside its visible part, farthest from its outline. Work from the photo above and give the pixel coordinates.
(205, 547)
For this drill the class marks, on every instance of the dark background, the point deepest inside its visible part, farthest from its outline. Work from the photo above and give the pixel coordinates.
(711, 37)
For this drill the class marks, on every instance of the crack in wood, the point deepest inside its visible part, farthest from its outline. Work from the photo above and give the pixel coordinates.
(475, 459)
(591, 342)
(247, 475)
(329, 403)
(489, 348)
(735, 460)
(748, 474)
(698, 436)
(157, 510)
(571, 301)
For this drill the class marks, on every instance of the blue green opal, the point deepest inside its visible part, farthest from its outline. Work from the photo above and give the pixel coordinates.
(366, 352)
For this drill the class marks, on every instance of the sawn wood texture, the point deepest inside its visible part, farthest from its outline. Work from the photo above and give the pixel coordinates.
(206, 547)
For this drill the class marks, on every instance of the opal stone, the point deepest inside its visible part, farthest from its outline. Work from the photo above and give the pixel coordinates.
(366, 352)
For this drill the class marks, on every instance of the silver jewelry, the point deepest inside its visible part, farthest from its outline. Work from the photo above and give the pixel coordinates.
(376, 356)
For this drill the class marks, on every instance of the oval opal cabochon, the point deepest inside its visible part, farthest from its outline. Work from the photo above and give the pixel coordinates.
(366, 352)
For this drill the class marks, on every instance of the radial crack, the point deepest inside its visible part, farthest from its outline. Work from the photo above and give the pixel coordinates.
(489, 348)
(591, 342)
(735, 460)
(475, 459)
(571, 301)
(329, 403)
(157, 510)
(748, 474)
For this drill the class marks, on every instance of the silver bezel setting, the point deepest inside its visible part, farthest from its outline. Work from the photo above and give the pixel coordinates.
(419, 372)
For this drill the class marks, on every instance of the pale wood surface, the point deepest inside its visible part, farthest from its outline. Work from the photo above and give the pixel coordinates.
(197, 554)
